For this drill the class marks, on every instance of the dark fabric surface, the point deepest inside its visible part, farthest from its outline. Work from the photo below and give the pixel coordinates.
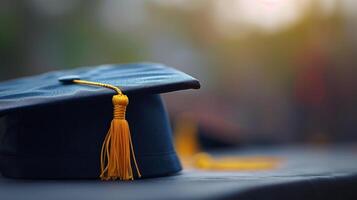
(305, 173)
(135, 78)
(66, 144)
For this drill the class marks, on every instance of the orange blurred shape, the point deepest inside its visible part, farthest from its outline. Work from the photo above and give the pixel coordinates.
(206, 162)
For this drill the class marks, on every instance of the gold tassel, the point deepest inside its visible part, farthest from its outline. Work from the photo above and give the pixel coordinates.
(117, 149)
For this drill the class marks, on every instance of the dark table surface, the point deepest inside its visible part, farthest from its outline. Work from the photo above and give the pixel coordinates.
(305, 173)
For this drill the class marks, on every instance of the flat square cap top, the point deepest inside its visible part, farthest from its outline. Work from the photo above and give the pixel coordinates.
(135, 78)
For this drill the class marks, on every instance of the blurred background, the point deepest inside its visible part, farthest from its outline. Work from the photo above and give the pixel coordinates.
(272, 71)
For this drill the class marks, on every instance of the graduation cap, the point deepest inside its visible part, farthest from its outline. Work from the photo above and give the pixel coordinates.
(78, 123)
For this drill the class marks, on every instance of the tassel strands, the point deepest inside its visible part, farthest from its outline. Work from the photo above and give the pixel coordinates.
(117, 146)
(117, 151)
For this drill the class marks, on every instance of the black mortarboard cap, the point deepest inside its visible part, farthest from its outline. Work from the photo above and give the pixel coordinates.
(53, 127)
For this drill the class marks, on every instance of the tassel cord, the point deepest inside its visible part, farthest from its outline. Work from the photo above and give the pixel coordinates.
(117, 149)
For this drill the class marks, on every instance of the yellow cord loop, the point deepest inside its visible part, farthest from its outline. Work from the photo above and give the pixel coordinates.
(117, 149)
(116, 89)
